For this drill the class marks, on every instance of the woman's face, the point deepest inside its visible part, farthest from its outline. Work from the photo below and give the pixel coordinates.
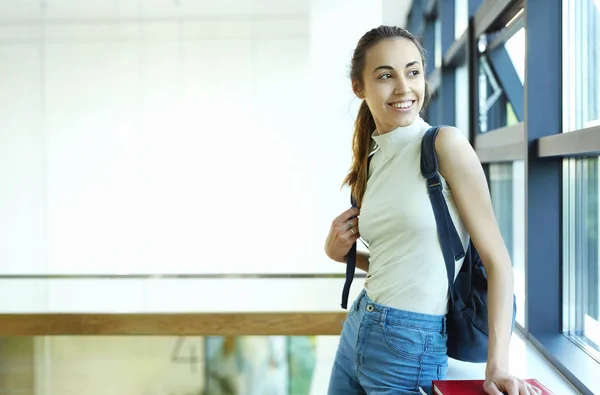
(393, 83)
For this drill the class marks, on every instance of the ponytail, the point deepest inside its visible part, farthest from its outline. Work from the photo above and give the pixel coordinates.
(364, 126)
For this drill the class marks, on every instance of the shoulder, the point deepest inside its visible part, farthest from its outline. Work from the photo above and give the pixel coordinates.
(450, 139)
(454, 152)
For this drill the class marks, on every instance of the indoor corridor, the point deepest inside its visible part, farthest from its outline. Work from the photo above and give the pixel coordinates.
(170, 169)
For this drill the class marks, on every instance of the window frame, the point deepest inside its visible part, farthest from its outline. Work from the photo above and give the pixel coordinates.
(537, 140)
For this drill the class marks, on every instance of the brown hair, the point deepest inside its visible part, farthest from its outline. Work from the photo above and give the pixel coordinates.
(364, 125)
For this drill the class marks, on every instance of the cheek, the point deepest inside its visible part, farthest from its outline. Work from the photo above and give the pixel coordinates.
(377, 94)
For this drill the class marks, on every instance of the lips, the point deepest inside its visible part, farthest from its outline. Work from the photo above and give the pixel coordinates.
(402, 105)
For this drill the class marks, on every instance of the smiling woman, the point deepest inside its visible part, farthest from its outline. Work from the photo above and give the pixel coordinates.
(394, 339)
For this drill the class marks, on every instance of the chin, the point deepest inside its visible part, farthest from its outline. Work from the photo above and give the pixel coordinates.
(406, 120)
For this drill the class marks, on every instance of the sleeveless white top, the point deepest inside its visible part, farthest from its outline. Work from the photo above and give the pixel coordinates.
(406, 265)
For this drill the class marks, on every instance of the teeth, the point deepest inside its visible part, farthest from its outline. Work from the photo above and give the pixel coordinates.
(405, 104)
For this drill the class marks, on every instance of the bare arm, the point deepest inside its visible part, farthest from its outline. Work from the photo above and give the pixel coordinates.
(461, 168)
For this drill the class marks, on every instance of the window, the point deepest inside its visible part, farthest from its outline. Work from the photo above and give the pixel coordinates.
(492, 100)
(501, 78)
(581, 218)
(515, 46)
(461, 76)
(581, 263)
(507, 185)
(581, 64)
(437, 26)
(461, 14)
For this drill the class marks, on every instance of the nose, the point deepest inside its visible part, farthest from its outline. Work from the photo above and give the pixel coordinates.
(402, 87)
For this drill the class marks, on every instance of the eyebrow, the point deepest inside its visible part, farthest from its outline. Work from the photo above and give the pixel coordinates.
(386, 67)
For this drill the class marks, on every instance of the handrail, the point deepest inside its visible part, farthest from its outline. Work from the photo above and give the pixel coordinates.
(169, 324)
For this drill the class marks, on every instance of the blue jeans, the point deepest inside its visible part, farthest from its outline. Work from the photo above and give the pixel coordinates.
(388, 351)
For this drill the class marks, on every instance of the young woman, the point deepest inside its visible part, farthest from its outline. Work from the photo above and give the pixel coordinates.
(394, 338)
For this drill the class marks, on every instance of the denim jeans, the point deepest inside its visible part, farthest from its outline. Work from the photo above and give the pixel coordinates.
(388, 351)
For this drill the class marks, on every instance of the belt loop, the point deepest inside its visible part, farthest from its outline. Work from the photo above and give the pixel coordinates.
(360, 298)
(444, 326)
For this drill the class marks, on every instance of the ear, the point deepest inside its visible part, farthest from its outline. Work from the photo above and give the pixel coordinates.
(357, 89)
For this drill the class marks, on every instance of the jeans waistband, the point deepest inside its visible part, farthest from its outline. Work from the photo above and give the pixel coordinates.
(392, 316)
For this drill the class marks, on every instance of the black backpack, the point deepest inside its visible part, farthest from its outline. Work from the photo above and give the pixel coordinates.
(467, 318)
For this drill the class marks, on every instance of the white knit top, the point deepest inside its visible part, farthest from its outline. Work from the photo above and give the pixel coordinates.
(406, 266)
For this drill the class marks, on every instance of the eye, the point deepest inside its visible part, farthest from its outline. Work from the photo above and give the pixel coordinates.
(384, 76)
(414, 72)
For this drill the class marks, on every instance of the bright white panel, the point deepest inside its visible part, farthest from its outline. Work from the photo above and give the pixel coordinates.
(20, 34)
(20, 10)
(395, 12)
(23, 296)
(221, 7)
(225, 29)
(128, 9)
(109, 296)
(80, 9)
(21, 161)
(241, 7)
(82, 33)
(158, 33)
(281, 6)
(92, 95)
(286, 27)
(161, 8)
(247, 295)
(173, 295)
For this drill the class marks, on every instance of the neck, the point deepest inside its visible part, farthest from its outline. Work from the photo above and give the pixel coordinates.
(381, 129)
(394, 140)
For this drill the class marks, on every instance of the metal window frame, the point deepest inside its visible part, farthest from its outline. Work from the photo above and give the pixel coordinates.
(501, 145)
(505, 34)
(457, 53)
(538, 141)
(579, 143)
(509, 79)
(495, 14)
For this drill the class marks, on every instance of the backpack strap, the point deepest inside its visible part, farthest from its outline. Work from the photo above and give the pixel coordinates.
(452, 247)
(350, 268)
(351, 257)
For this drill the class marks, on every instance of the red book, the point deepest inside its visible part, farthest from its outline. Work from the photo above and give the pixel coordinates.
(472, 387)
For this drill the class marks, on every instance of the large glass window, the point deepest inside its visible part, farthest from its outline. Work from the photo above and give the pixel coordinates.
(581, 109)
(581, 64)
(501, 74)
(507, 185)
(580, 254)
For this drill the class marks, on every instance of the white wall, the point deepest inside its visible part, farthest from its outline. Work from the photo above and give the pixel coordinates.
(151, 138)
(155, 146)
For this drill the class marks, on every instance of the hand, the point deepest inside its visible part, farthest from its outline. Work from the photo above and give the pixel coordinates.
(500, 382)
(342, 234)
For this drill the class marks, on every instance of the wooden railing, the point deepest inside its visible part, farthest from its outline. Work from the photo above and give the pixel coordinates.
(189, 324)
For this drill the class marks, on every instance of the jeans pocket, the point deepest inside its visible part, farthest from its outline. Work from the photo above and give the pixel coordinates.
(407, 342)
(437, 343)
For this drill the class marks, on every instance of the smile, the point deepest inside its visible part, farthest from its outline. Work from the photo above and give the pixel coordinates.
(403, 105)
